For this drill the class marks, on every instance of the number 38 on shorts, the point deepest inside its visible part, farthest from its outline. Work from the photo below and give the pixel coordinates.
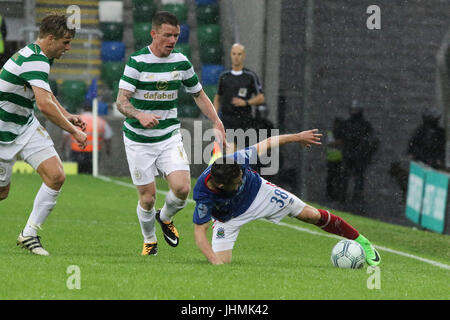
(280, 196)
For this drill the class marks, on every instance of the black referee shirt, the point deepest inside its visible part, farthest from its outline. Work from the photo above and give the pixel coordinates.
(242, 84)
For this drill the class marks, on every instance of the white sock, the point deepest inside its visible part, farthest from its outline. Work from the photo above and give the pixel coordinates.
(147, 222)
(44, 202)
(171, 206)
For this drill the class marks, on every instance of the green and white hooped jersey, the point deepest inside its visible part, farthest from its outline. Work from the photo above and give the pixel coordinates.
(28, 67)
(155, 82)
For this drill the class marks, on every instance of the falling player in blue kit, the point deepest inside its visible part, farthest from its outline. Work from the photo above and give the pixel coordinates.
(231, 193)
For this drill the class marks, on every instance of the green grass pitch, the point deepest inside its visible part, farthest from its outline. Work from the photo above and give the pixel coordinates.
(95, 228)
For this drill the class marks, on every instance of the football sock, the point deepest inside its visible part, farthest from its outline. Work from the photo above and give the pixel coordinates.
(336, 225)
(147, 222)
(171, 206)
(44, 202)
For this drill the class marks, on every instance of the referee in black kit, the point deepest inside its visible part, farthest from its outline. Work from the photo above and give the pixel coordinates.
(238, 89)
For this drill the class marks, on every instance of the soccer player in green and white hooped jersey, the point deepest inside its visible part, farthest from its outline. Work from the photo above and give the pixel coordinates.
(148, 92)
(24, 78)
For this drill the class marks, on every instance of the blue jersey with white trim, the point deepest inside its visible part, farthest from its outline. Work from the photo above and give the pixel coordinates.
(219, 205)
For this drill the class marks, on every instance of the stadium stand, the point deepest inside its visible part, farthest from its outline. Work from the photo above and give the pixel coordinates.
(82, 63)
(180, 10)
(72, 94)
(111, 72)
(83, 60)
(113, 49)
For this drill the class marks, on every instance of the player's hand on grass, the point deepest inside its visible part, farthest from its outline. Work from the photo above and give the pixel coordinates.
(215, 260)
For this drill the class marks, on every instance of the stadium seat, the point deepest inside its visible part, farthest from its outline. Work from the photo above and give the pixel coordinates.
(73, 94)
(207, 14)
(112, 31)
(112, 51)
(115, 90)
(163, 2)
(141, 32)
(210, 91)
(178, 9)
(188, 111)
(54, 86)
(203, 2)
(112, 72)
(184, 48)
(184, 33)
(184, 97)
(143, 10)
(211, 54)
(211, 73)
(110, 11)
(208, 34)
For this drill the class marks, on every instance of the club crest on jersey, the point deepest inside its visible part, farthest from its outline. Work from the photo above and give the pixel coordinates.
(220, 233)
(202, 210)
(162, 85)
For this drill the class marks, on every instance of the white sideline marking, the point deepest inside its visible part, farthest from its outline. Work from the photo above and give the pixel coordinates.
(400, 253)
(316, 233)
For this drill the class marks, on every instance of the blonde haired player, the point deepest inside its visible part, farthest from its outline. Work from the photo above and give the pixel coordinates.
(23, 79)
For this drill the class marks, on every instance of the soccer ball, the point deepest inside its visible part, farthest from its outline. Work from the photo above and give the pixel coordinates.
(348, 254)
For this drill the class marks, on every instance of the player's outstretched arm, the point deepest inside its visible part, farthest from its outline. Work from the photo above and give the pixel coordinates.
(306, 138)
(203, 244)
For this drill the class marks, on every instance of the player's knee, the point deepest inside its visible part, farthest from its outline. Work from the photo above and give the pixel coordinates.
(182, 192)
(57, 179)
(147, 201)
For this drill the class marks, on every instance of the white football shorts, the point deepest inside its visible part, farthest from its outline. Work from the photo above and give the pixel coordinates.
(33, 147)
(271, 203)
(145, 159)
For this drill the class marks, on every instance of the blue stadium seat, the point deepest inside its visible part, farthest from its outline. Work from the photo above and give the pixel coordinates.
(113, 51)
(203, 2)
(184, 33)
(211, 73)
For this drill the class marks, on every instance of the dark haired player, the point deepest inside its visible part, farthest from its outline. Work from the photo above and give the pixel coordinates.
(231, 193)
(148, 97)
